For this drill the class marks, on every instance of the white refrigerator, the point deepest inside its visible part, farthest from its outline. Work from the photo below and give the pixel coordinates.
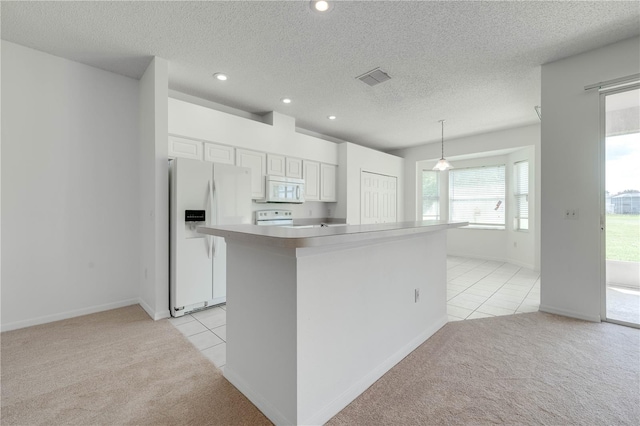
(203, 194)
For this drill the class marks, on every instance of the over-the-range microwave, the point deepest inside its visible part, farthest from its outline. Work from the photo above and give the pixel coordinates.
(280, 189)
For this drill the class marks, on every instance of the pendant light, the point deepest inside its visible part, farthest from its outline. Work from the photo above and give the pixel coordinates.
(442, 164)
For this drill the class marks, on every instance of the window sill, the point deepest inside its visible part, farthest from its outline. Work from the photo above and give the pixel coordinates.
(484, 227)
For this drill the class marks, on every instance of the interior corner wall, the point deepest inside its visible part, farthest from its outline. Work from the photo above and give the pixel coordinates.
(477, 241)
(571, 259)
(154, 190)
(69, 141)
(353, 159)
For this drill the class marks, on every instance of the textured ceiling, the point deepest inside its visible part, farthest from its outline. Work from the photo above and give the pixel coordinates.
(475, 64)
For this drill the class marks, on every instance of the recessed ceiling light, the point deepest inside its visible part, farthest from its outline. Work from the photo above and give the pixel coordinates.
(332, 117)
(286, 100)
(321, 6)
(220, 76)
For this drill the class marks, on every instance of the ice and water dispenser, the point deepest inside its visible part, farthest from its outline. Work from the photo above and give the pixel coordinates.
(193, 219)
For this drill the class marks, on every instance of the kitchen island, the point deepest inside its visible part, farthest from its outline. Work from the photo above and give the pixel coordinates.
(317, 315)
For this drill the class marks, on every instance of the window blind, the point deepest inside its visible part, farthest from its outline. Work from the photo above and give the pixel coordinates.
(521, 188)
(477, 195)
(430, 195)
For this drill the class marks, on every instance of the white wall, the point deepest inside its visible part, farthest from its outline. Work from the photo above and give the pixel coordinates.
(197, 122)
(571, 281)
(154, 190)
(501, 147)
(70, 200)
(274, 133)
(353, 159)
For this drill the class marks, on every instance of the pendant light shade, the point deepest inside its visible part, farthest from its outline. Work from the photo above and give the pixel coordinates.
(442, 164)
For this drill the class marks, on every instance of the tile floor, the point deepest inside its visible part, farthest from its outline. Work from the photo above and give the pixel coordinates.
(475, 289)
(480, 288)
(207, 331)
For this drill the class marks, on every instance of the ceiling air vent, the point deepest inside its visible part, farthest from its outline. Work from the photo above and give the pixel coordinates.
(374, 77)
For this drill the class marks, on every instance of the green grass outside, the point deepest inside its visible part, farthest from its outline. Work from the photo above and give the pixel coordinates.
(623, 237)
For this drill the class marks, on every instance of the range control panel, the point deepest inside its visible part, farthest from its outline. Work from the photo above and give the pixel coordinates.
(274, 217)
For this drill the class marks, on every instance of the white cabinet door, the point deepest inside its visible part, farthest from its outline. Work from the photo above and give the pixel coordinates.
(294, 168)
(276, 165)
(257, 162)
(328, 182)
(219, 153)
(184, 148)
(311, 180)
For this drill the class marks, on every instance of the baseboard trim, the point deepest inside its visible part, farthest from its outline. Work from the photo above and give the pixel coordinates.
(570, 314)
(152, 313)
(494, 259)
(68, 314)
(267, 409)
(344, 399)
(521, 264)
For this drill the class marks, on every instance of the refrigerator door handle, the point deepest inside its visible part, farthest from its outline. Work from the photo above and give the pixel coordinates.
(210, 237)
(214, 207)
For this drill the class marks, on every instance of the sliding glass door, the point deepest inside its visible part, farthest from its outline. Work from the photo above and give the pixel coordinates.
(621, 215)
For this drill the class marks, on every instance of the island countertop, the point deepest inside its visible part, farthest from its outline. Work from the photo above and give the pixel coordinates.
(279, 236)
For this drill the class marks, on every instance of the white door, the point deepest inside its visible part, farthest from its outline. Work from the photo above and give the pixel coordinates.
(231, 205)
(620, 217)
(219, 153)
(328, 182)
(257, 162)
(311, 180)
(191, 275)
(389, 200)
(276, 165)
(378, 198)
(184, 148)
(294, 168)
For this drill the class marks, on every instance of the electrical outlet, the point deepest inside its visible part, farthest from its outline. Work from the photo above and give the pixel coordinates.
(417, 295)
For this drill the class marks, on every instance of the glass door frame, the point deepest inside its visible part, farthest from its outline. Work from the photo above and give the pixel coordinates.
(603, 214)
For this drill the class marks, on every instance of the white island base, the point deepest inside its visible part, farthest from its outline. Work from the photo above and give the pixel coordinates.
(313, 321)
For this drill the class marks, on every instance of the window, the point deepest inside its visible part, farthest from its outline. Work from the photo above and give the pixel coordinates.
(430, 195)
(521, 192)
(476, 195)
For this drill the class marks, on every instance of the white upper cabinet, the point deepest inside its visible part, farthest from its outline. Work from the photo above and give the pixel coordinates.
(257, 162)
(279, 165)
(184, 148)
(276, 165)
(294, 168)
(311, 180)
(219, 153)
(328, 182)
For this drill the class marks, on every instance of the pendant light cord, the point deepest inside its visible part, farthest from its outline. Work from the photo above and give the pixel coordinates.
(442, 123)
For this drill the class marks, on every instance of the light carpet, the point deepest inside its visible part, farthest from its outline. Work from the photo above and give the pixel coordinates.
(519, 369)
(120, 367)
(114, 368)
